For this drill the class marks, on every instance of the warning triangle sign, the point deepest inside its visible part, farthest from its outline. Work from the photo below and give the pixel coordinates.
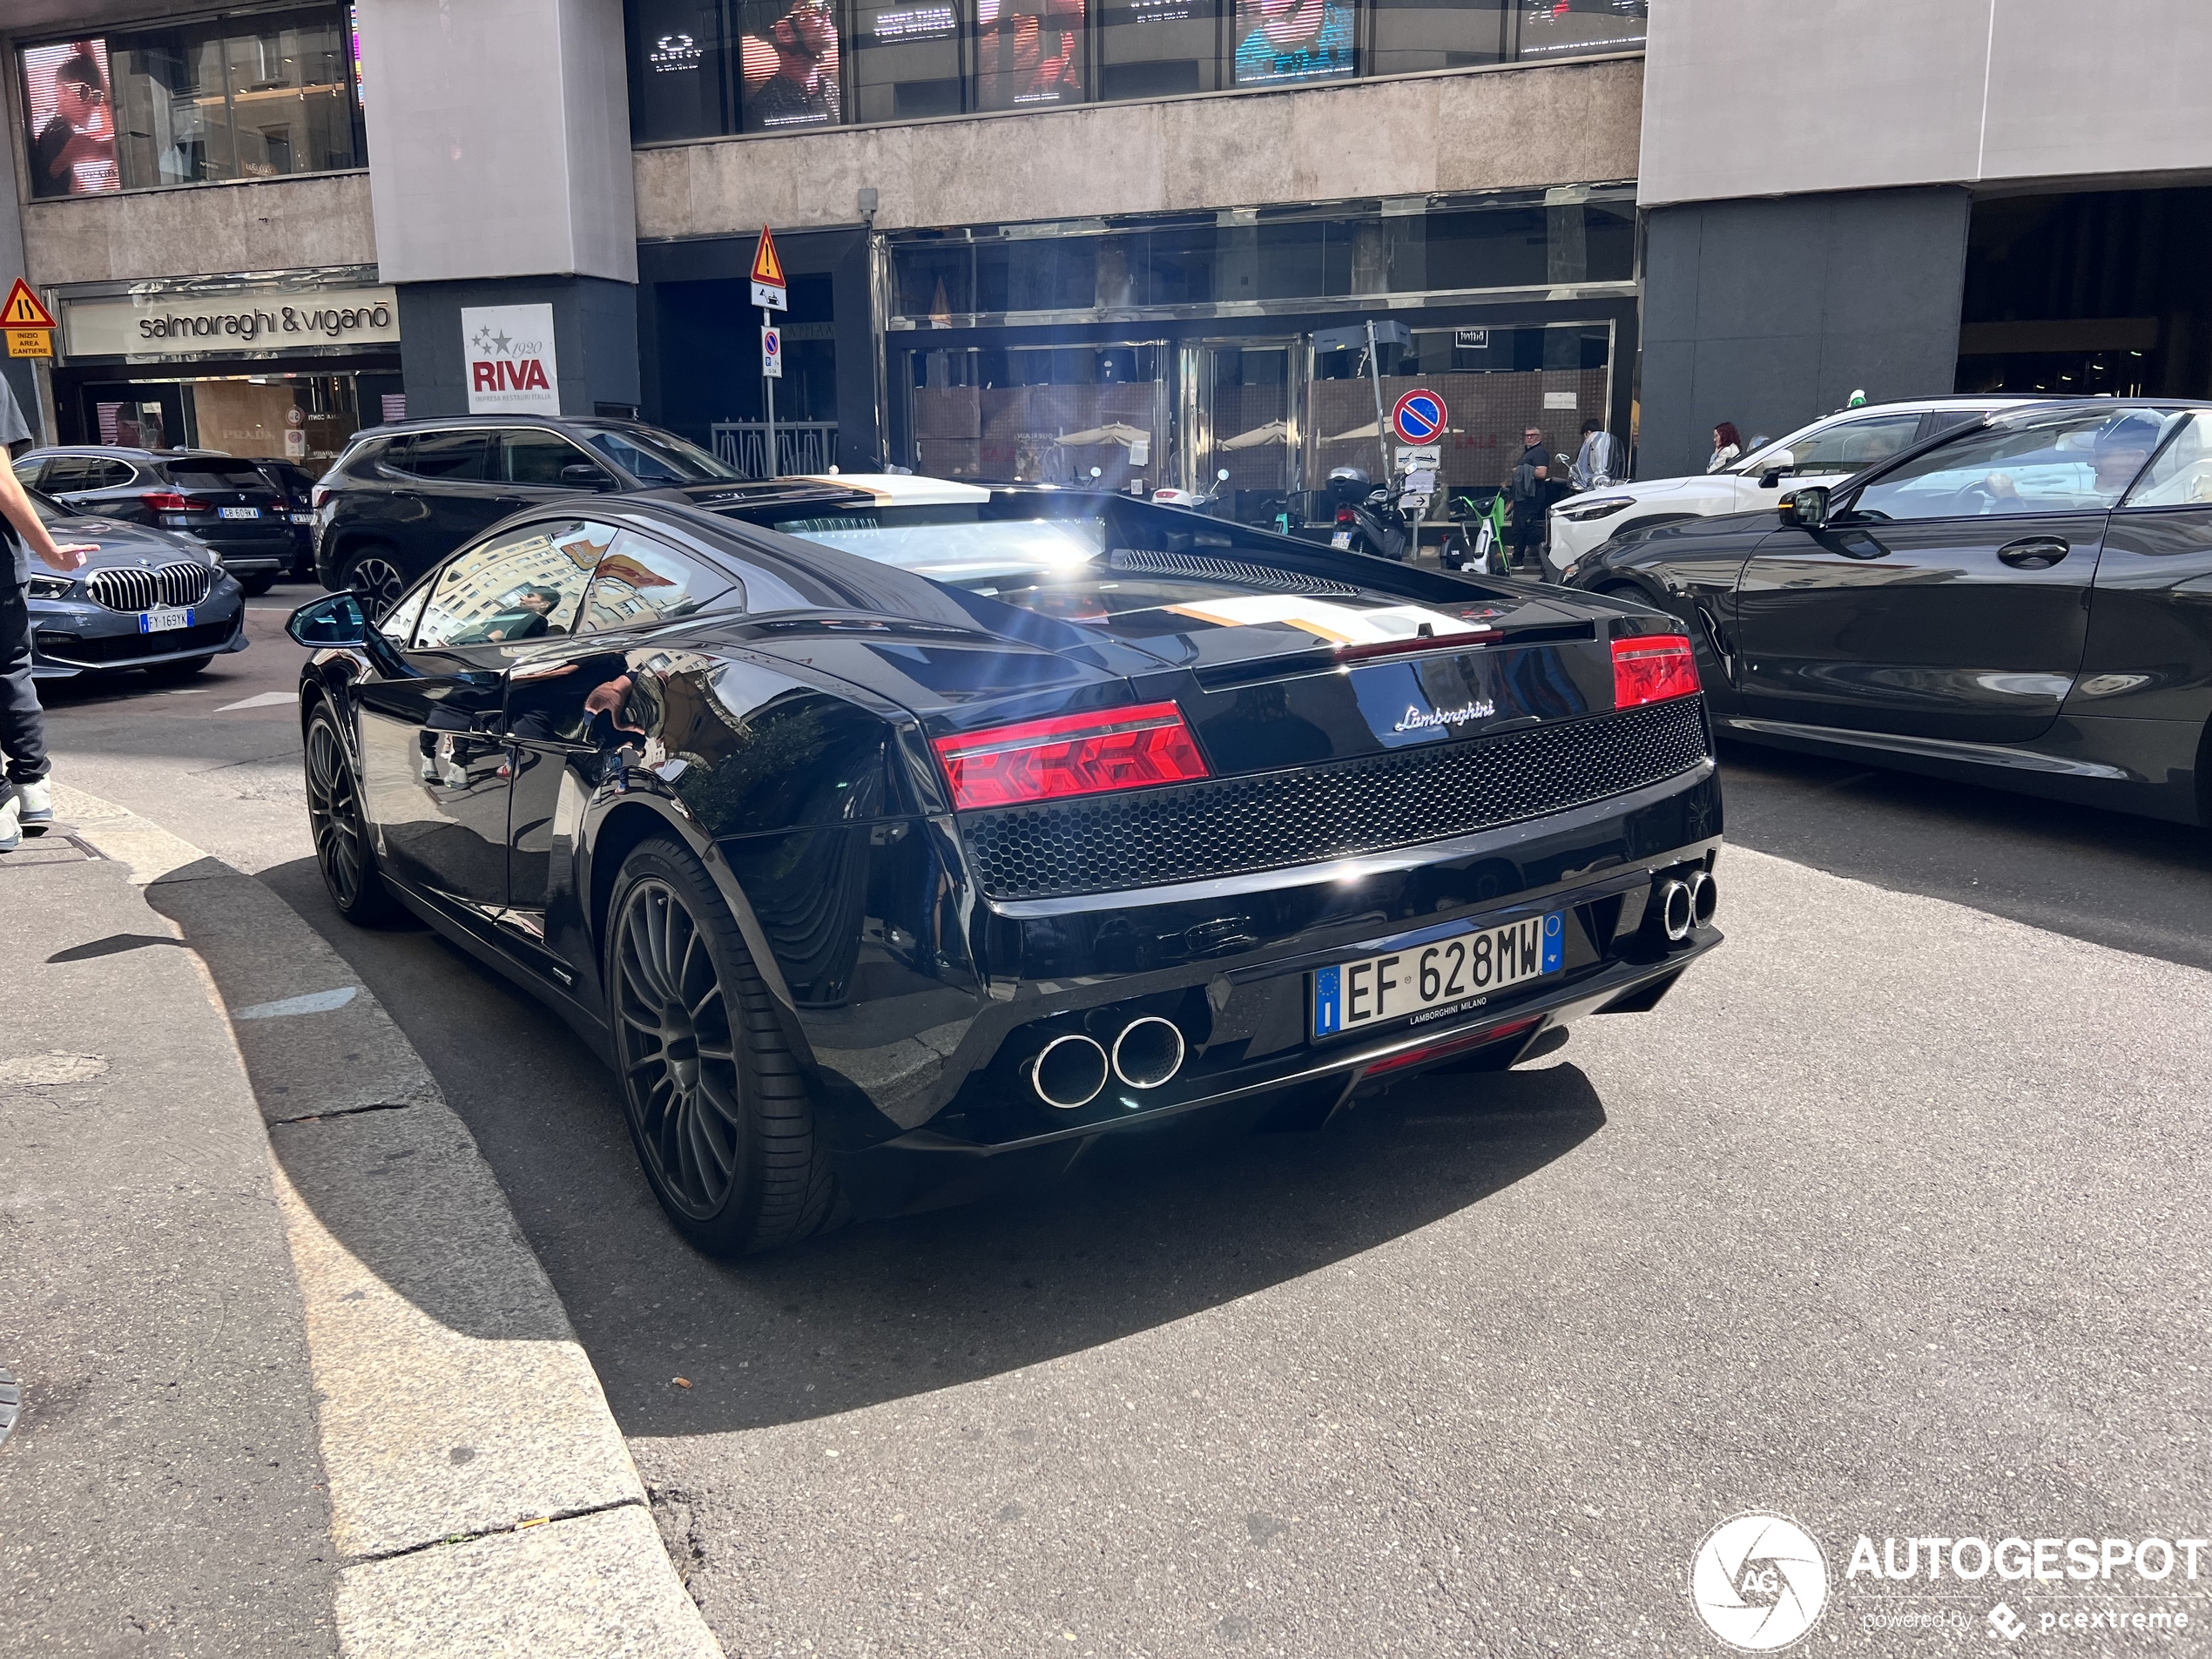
(766, 267)
(24, 311)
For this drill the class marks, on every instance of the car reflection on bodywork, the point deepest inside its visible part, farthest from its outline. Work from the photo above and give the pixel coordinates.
(890, 836)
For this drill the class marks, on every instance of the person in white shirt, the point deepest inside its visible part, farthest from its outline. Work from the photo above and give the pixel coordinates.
(1598, 462)
(1728, 443)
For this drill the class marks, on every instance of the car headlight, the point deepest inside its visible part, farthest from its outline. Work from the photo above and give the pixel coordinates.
(51, 587)
(1582, 512)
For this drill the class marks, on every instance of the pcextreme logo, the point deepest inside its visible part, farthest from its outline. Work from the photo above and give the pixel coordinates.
(1759, 1581)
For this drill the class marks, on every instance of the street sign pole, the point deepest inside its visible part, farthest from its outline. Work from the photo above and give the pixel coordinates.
(768, 386)
(1374, 376)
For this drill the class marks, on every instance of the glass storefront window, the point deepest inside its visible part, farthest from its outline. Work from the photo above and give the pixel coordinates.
(257, 96)
(1570, 28)
(1158, 48)
(1091, 415)
(683, 70)
(1411, 36)
(1288, 43)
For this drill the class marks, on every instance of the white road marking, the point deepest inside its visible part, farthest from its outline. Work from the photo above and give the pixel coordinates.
(266, 700)
(314, 1002)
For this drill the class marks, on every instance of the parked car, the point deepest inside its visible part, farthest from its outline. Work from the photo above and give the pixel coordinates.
(917, 832)
(399, 498)
(2026, 601)
(297, 483)
(149, 599)
(1834, 446)
(222, 502)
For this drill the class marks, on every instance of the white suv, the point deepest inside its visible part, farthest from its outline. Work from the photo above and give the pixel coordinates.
(1837, 444)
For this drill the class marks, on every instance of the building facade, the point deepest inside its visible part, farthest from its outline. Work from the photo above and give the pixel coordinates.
(1139, 241)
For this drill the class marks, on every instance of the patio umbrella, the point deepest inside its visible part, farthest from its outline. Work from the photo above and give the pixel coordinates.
(1273, 432)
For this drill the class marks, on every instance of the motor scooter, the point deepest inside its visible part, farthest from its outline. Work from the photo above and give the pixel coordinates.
(1384, 523)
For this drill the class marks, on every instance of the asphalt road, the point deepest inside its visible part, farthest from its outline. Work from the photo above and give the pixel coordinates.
(1892, 1218)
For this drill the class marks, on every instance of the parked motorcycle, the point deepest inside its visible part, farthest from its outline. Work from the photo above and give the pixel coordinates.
(1385, 522)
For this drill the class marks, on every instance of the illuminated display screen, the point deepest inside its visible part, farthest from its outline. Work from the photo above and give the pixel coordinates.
(1028, 52)
(1282, 43)
(789, 59)
(69, 108)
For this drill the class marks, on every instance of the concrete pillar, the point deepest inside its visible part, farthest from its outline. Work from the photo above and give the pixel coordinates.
(500, 172)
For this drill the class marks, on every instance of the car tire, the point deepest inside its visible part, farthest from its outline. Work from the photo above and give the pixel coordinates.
(179, 670)
(374, 575)
(255, 586)
(717, 1108)
(335, 817)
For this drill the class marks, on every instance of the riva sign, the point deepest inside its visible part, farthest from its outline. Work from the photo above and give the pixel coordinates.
(175, 325)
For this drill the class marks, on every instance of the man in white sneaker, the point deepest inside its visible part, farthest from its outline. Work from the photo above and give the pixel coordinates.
(27, 806)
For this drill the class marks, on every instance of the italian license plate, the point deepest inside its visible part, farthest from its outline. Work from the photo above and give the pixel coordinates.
(239, 512)
(303, 518)
(165, 618)
(1354, 996)
(1342, 538)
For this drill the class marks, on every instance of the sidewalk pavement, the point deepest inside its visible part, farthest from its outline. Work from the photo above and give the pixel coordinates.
(293, 1382)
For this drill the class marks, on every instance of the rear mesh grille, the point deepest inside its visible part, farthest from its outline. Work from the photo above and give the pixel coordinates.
(1192, 831)
(119, 588)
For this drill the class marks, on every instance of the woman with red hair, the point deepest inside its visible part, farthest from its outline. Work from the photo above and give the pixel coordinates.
(1728, 443)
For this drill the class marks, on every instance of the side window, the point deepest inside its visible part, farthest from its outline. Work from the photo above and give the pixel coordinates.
(1936, 422)
(27, 471)
(524, 584)
(537, 457)
(2075, 462)
(105, 475)
(1853, 446)
(2181, 477)
(398, 623)
(641, 581)
(66, 472)
(455, 457)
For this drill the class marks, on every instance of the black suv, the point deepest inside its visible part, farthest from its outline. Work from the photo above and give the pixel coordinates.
(297, 481)
(403, 496)
(215, 498)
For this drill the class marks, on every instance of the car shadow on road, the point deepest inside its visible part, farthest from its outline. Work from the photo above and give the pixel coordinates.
(2136, 884)
(1149, 1229)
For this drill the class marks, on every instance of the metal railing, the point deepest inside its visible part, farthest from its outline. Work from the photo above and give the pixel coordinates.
(801, 447)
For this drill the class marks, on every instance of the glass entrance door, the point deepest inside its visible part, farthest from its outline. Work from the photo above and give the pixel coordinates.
(1247, 424)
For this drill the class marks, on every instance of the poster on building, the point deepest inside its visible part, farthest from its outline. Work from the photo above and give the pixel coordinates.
(1284, 43)
(71, 120)
(788, 56)
(510, 358)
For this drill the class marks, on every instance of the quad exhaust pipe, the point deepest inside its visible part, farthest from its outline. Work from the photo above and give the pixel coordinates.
(1683, 905)
(1072, 1070)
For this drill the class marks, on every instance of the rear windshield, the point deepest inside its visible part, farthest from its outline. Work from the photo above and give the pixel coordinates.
(957, 544)
(216, 474)
(655, 457)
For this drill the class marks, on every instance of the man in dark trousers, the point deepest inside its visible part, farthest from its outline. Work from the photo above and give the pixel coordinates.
(1526, 488)
(26, 798)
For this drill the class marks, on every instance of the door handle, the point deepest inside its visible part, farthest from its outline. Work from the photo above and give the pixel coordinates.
(2036, 553)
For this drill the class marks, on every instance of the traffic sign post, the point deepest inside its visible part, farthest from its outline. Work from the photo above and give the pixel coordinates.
(30, 326)
(1418, 417)
(769, 291)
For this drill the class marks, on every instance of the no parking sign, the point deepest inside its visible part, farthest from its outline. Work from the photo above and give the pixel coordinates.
(1418, 417)
(772, 353)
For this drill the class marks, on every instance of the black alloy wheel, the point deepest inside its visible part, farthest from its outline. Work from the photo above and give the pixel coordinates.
(717, 1106)
(341, 827)
(376, 580)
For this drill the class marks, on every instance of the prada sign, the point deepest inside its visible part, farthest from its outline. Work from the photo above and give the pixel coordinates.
(170, 325)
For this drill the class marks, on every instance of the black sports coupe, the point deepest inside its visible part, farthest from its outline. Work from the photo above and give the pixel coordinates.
(2025, 602)
(887, 835)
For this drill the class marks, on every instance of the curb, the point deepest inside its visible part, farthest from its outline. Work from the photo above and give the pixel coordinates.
(483, 1498)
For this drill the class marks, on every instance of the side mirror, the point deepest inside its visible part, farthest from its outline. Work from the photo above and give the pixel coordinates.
(582, 475)
(1807, 508)
(336, 619)
(1777, 464)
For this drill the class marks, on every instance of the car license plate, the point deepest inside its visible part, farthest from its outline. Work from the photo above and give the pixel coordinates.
(164, 619)
(1354, 996)
(239, 512)
(303, 518)
(1342, 538)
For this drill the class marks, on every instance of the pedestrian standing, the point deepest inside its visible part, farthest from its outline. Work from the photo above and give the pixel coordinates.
(1728, 443)
(1598, 463)
(27, 804)
(1527, 487)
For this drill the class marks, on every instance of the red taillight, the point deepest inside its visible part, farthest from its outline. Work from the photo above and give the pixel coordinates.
(1072, 754)
(1652, 668)
(315, 493)
(167, 500)
(1445, 1047)
(1344, 516)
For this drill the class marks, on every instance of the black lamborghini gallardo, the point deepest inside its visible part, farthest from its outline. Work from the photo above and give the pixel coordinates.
(885, 835)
